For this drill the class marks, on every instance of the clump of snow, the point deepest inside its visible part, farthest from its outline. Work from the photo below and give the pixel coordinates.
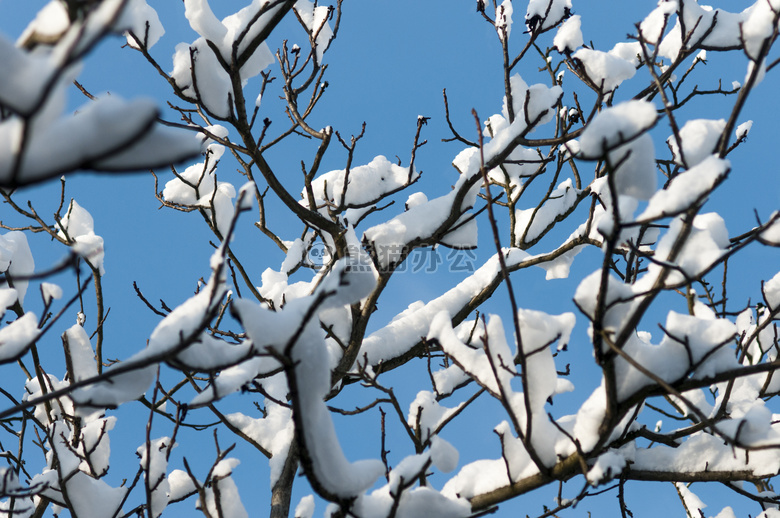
(631, 51)
(141, 19)
(50, 291)
(757, 27)
(545, 14)
(78, 227)
(365, 184)
(305, 508)
(604, 69)
(198, 186)
(686, 188)
(222, 498)
(693, 504)
(315, 19)
(743, 130)
(274, 432)
(312, 360)
(17, 337)
(403, 332)
(615, 126)
(154, 462)
(619, 300)
(49, 24)
(569, 36)
(771, 290)
(654, 24)
(443, 454)
(608, 465)
(504, 19)
(8, 296)
(705, 27)
(699, 139)
(530, 223)
(428, 414)
(17, 261)
(82, 356)
(197, 63)
(130, 379)
(180, 485)
(706, 244)
(618, 133)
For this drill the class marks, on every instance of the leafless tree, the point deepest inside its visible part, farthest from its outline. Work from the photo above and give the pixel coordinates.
(267, 359)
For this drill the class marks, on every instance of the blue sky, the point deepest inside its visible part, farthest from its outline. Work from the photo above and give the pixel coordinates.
(389, 64)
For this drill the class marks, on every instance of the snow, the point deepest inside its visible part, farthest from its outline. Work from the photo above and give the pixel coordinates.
(17, 337)
(27, 76)
(135, 17)
(8, 297)
(699, 139)
(198, 186)
(615, 126)
(569, 35)
(315, 19)
(743, 130)
(539, 9)
(312, 372)
(96, 445)
(757, 26)
(197, 70)
(619, 300)
(155, 457)
(705, 245)
(203, 21)
(728, 512)
(539, 331)
(771, 290)
(476, 362)
(84, 140)
(428, 414)
(493, 367)
(16, 260)
(654, 24)
(478, 477)
(49, 292)
(390, 239)
(305, 508)
(443, 454)
(180, 485)
(504, 19)
(222, 498)
(405, 331)
(420, 502)
(687, 188)
(605, 70)
(93, 497)
(274, 432)
(49, 24)
(608, 465)
(701, 452)
(690, 345)
(692, 503)
(366, 184)
(158, 146)
(170, 336)
(531, 223)
(707, 28)
(78, 227)
(81, 354)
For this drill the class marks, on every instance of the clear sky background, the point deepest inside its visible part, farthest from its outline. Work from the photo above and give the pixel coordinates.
(388, 65)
